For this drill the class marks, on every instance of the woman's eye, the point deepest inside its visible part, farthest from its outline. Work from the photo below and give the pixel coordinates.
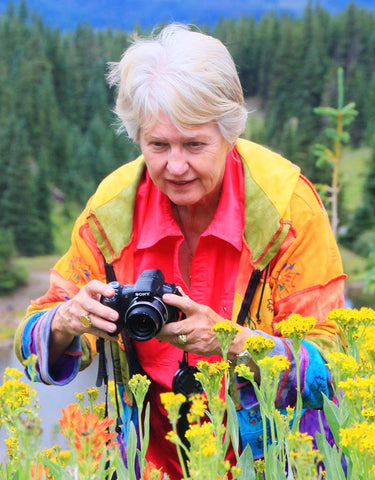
(195, 145)
(159, 145)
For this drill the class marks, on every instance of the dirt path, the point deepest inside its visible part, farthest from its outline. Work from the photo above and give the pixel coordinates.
(12, 307)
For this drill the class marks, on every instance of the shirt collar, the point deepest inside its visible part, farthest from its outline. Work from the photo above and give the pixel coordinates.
(227, 224)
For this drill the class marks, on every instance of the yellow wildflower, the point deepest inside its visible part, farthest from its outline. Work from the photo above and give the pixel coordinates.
(173, 437)
(369, 413)
(226, 326)
(260, 465)
(304, 457)
(12, 374)
(93, 394)
(210, 376)
(244, 372)
(359, 390)
(367, 348)
(296, 326)
(345, 365)
(13, 447)
(236, 471)
(99, 409)
(259, 346)
(273, 366)
(197, 408)
(80, 397)
(202, 440)
(360, 438)
(172, 403)
(225, 331)
(139, 385)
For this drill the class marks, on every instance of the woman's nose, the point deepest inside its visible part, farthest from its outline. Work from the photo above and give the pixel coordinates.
(177, 163)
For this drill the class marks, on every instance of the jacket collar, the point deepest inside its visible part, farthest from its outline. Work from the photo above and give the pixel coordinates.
(269, 184)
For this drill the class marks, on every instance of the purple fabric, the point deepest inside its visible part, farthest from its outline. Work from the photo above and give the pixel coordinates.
(67, 367)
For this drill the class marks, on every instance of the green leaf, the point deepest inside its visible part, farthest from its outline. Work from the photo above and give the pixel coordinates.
(146, 436)
(56, 470)
(232, 422)
(247, 464)
(132, 451)
(332, 458)
(333, 417)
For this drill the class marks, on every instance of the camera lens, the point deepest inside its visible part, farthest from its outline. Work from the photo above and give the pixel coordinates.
(144, 319)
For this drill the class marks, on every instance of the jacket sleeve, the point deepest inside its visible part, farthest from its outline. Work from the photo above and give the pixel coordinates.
(306, 277)
(78, 266)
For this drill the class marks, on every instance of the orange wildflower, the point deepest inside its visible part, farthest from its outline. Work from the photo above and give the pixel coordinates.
(88, 433)
(152, 473)
(38, 472)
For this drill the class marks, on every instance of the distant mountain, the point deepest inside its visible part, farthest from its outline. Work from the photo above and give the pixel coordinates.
(125, 14)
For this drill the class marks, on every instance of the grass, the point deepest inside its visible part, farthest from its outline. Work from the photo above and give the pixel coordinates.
(37, 264)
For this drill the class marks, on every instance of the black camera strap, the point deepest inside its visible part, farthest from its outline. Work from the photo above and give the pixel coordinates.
(102, 376)
(252, 286)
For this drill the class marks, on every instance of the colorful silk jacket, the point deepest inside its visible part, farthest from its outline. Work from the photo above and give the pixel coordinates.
(286, 227)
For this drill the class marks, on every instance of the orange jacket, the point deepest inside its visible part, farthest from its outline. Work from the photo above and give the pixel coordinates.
(286, 226)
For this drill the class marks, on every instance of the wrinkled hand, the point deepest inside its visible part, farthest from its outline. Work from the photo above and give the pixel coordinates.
(66, 323)
(196, 328)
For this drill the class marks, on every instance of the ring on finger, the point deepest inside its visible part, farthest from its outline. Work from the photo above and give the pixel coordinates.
(85, 320)
(181, 339)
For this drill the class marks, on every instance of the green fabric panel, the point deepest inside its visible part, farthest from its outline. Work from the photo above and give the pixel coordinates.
(86, 357)
(116, 220)
(259, 233)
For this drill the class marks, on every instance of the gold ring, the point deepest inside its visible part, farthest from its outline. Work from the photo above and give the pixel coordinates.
(181, 339)
(85, 320)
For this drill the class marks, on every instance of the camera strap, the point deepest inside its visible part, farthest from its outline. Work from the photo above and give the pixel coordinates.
(102, 376)
(252, 286)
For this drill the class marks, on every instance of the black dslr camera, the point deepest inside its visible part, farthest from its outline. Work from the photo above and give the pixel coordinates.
(142, 313)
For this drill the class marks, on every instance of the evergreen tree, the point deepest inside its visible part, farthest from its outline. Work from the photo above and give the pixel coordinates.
(43, 204)
(17, 202)
(10, 275)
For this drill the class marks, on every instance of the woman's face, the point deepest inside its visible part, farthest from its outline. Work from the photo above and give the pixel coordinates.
(187, 166)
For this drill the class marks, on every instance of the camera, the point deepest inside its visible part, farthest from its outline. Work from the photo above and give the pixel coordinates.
(142, 313)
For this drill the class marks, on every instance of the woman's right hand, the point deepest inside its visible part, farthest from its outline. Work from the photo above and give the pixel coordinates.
(67, 323)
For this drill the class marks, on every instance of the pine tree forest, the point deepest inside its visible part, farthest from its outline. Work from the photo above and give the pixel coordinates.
(58, 133)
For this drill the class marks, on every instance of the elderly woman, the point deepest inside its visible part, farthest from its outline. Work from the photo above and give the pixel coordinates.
(222, 218)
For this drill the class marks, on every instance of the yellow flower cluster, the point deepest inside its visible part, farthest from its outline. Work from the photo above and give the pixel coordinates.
(304, 457)
(345, 365)
(58, 456)
(202, 439)
(259, 346)
(13, 447)
(93, 394)
(219, 368)
(16, 397)
(197, 408)
(244, 372)
(273, 366)
(296, 326)
(361, 438)
(369, 414)
(172, 403)
(368, 344)
(226, 327)
(359, 390)
(352, 318)
(139, 385)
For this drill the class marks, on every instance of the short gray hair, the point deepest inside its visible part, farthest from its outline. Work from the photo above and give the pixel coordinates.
(186, 74)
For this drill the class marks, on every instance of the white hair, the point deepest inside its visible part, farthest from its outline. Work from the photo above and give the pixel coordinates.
(185, 74)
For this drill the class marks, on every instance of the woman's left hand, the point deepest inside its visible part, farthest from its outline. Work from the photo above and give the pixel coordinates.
(194, 333)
